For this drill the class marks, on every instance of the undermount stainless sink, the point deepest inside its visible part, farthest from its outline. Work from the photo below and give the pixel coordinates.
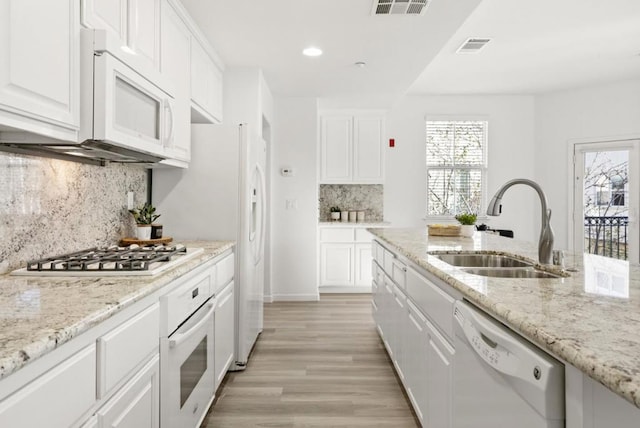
(494, 265)
(522, 272)
(482, 260)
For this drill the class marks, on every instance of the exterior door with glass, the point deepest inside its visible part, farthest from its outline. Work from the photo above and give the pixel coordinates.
(606, 193)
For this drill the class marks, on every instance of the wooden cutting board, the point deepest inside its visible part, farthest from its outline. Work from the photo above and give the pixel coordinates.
(128, 241)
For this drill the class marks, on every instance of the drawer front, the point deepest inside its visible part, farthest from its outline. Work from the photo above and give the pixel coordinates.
(432, 301)
(183, 301)
(389, 257)
(378, 253)
(225, 270)
(58, 398)
(124, 348)
(337, 234)
(398, 273)
(363, 236)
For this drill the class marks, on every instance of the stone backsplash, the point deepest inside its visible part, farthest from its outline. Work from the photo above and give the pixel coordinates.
(50, 207)
(365, 197)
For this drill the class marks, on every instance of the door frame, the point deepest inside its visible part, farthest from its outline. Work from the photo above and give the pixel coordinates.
(632, 141)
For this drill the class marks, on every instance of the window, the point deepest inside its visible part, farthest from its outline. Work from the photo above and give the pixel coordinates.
(456, 166)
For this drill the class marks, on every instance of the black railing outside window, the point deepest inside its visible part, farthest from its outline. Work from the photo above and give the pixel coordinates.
(606, 236)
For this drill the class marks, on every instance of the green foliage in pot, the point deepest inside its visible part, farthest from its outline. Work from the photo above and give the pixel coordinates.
(467, 219)
(335, 209)
(145, 214)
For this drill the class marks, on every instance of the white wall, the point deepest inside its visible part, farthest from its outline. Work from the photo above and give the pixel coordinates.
(597, 112)
(511, 140)
(294, 240)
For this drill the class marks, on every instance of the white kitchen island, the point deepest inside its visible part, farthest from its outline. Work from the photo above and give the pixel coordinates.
(575, 319)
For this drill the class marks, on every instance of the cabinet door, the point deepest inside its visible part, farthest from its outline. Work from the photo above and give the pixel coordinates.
(368, 150)
(363, 265)
(336, 147)
(416, 361)
(206, 86)
(440, 374)
(144, 25)
(175, 66)
(398, 339)
(224, 333)
(56, 399)
(109, 15)
(39, 66)
(336, 264)
(137, 404)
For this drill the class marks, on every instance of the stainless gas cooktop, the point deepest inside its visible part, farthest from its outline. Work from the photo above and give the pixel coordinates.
(111, 261)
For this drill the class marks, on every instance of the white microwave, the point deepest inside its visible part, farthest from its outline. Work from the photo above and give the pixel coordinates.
(126, 105)
(126, 109)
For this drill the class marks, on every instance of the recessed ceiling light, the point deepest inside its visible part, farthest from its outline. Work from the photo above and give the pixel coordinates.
(312, 51)
(361, 64)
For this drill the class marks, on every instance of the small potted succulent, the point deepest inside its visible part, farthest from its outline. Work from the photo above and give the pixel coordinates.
(467, 222)
(144, 217)
(335, 213)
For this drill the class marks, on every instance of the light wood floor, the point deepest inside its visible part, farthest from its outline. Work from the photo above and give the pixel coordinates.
(316, 364)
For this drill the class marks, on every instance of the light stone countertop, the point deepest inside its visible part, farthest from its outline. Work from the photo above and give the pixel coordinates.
(590, 319)
(38, 314)
(354, 224)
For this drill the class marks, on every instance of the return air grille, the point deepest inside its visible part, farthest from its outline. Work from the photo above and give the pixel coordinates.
(399, 7)
(472, 45)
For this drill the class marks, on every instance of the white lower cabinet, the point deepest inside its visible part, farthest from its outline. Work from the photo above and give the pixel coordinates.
(439, 380)
(412, 333)
(137, 403)
(345, 259)
(224, 332)
(336, 264)
(58, 398)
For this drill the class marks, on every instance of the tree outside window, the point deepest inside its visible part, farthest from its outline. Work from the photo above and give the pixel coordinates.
(456, 166)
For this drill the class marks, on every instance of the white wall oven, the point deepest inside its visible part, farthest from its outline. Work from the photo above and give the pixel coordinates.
(187, 383)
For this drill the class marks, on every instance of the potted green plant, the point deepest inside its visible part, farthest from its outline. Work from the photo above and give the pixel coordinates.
(335, 213)
(144, 217)
(467, 223)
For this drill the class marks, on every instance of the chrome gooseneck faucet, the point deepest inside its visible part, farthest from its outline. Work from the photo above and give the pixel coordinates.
(545, 244)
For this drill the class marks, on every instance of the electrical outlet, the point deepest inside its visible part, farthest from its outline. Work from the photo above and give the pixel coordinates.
(291, 204)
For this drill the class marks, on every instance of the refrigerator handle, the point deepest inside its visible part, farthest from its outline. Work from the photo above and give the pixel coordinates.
(260, 249)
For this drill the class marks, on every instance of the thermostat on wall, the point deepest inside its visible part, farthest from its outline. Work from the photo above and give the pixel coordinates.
(287, 171)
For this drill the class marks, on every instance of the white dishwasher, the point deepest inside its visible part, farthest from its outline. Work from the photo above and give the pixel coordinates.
(500, 379)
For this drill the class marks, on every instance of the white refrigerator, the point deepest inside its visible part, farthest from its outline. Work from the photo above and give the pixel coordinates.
(221, 196)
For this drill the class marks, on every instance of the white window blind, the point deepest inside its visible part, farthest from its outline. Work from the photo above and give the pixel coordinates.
(456, 164)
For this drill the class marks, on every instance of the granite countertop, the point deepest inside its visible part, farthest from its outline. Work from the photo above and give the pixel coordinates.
(354, 224)
(590, 320)
(38, 314)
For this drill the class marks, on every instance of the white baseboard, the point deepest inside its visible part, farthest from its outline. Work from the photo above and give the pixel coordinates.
(345, 289)
(295, 297)
(267, 298)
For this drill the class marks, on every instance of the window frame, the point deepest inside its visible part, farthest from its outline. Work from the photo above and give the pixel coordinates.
(483, 169)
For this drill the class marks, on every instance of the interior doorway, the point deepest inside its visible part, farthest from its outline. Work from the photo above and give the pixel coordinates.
(606, 197)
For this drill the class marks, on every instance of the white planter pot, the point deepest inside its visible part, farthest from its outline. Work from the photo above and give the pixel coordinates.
(467, 230)
(335, 216)
(143, 232)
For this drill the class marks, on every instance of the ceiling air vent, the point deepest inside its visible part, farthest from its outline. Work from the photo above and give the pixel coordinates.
(472, 45)
(399, 7)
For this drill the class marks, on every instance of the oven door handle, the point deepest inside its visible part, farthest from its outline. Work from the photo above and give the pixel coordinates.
(178, 338)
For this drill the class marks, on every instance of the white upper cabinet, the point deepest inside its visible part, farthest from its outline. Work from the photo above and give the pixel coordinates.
(206, 86)
(368, 146)
(352, 149)
(174, 64)
(39, 67)
(336, 146)
(136, 24)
